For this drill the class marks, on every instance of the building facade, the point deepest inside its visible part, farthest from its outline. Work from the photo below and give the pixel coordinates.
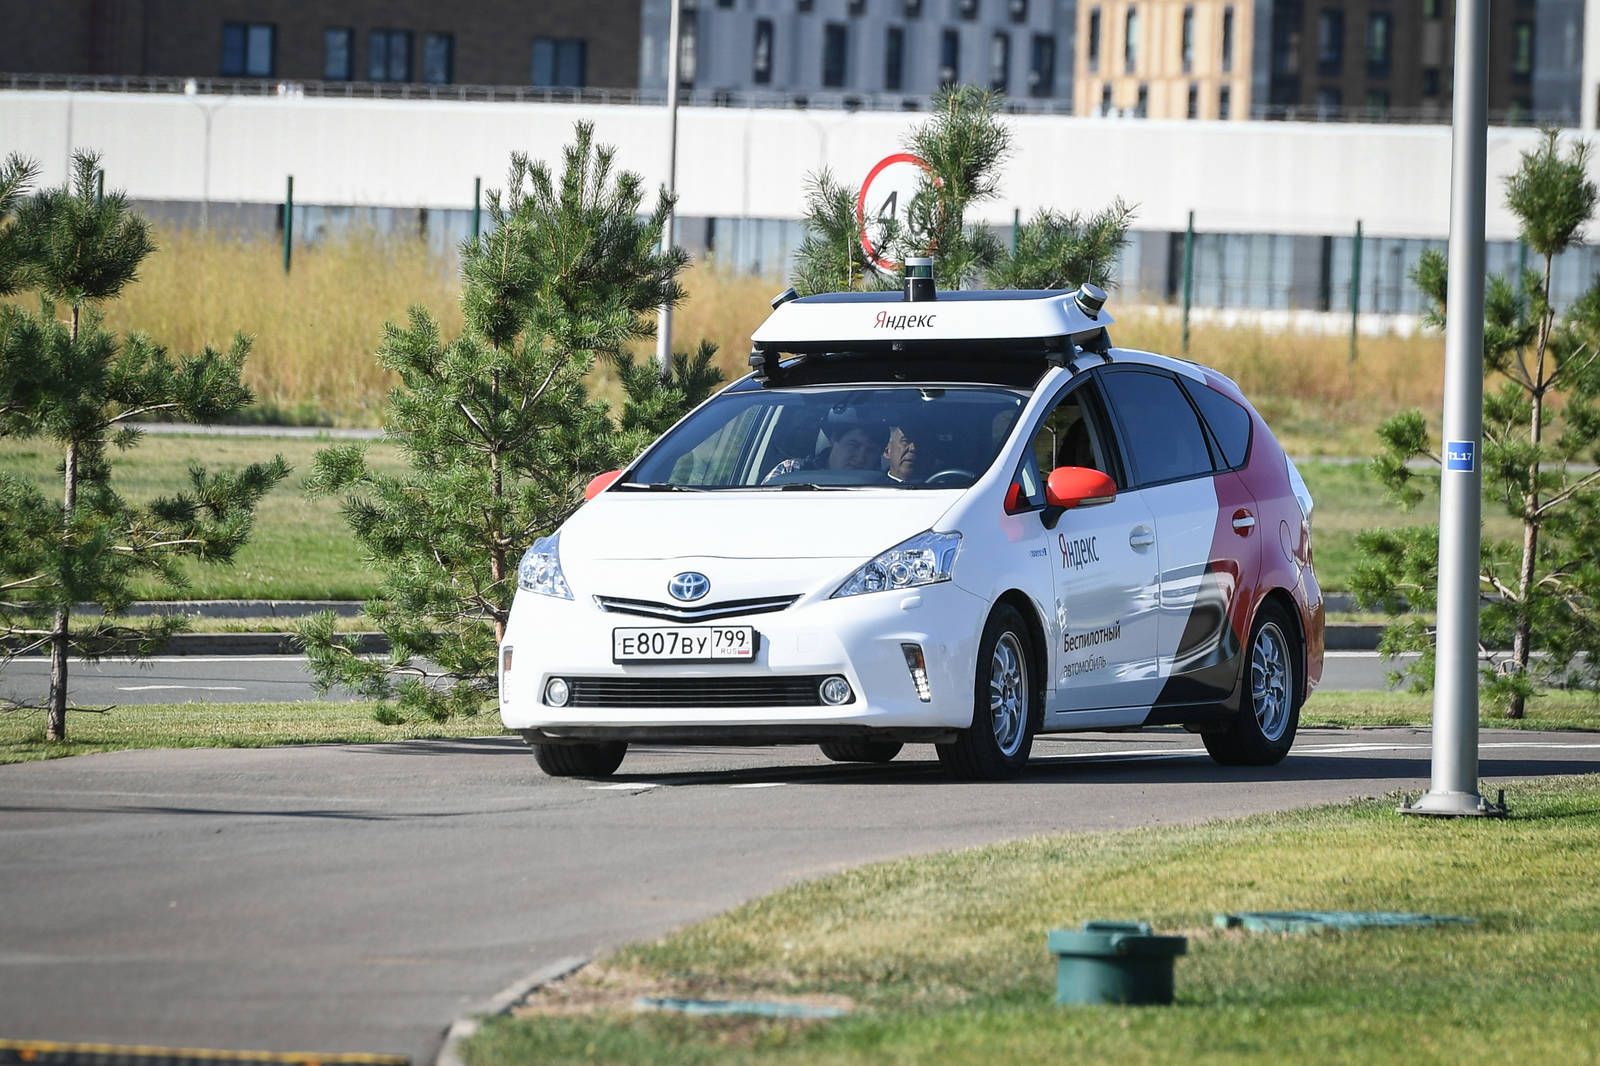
(553, 43)
(1372, 60)
(885, 52)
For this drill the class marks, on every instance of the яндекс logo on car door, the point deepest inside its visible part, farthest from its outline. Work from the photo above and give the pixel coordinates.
(688, 586)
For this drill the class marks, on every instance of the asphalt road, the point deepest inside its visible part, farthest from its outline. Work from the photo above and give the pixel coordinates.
(356, 898)
(233, 678)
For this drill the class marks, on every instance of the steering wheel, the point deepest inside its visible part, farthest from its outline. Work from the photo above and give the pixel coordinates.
(953, 472)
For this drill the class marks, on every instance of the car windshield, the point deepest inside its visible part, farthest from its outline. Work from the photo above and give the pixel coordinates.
(837, 437)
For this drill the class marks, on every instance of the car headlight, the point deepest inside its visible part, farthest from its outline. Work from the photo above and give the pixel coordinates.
(925, 559)
(540, 569)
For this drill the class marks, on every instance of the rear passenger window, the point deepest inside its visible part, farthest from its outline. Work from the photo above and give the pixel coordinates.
(1162, 431)
(1230, 423)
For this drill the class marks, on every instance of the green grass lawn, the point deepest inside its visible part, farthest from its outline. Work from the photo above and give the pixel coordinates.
(1365, 710)
(219, 725)
(944, 957)
(301, 548)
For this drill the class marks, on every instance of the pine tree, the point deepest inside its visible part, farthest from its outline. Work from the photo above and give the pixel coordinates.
(965, 146)
(1541, 435)
(65, 378)
(497, 427)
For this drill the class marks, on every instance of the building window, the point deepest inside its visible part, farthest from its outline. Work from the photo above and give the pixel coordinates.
(1105, 99)
(761, 68)
(1000, 62)
(1522, 51)
(438, 58)
(725, 3)
(1431, 9)
(1142, 108)
(248, 49)
(1194, 100)
(1377, 104)
(1227, 39)
(1019, 10)
(1379, 43)
(894, 58)
(856, 7)
(688, 45)
(1093, 47)
(1186, 40)
(558, 63)
(835, 50)
(1285, 50)
(1329, 101)
(1430, 81)
(1225, 102)
(1042, 66)
(949, 57)
(913, 9)
(389, 55)
(967, 9)
(1330, 40)
(804, 7)
(338, 54)
(1130, 41)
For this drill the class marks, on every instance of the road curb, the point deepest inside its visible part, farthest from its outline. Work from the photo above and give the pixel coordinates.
(500, 1003)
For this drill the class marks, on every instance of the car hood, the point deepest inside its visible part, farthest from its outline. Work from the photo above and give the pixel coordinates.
(852, 524)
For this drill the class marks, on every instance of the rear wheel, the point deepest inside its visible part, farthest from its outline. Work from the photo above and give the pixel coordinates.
(1005, 704)
(857, 749)
(1263, 731)
(599, 759)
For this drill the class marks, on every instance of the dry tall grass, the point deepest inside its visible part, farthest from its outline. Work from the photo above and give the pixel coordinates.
(317, 328)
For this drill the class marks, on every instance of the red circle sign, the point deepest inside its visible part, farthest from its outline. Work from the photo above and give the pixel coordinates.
(888, 204)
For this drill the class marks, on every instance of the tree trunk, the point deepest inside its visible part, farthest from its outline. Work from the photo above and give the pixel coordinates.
(56, 721)
(497, 554)
(1521, 642)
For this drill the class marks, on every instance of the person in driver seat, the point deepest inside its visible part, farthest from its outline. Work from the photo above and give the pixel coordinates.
(854, 443)
(907, 452)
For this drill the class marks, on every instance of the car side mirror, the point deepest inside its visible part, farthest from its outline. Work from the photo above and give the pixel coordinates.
(1078, 486)
(600, 483)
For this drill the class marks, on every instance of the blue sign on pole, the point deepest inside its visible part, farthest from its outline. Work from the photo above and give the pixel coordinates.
(1460, 455)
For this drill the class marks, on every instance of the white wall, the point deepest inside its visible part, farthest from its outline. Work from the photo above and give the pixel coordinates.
(1237, 177)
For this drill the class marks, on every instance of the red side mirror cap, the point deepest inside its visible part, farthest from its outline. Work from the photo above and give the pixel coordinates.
(1014, 500)
(1073, 486)
(600, 483)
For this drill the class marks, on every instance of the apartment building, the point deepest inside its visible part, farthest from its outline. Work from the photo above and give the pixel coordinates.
(552, 43)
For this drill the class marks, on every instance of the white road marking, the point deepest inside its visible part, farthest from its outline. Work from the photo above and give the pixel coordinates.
(624, 786)
(1325, 749)
(170, 688)
(761, 784)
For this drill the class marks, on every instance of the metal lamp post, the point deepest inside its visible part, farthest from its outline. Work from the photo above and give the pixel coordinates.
(1454, 787)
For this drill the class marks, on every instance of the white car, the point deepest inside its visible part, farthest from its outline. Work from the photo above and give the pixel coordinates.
(962, 519)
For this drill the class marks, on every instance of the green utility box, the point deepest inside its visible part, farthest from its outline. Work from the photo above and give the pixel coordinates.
(1114, 962)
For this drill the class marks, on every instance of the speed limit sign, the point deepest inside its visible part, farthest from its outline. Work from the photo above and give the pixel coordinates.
(885, 197)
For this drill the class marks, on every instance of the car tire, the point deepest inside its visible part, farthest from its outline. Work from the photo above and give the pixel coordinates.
(1269, 713)
(1005, 710)
(599, 759)
(859, 749)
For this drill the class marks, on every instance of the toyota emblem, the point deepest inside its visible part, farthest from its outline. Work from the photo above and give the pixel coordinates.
(689, 586)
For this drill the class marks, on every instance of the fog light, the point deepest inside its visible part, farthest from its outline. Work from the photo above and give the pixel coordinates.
(557, 692)
(834, 691)
(919, 670)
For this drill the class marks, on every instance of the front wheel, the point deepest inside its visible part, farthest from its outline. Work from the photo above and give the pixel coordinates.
(1263, 731)
(855, 749)
(599, 759)
(1005, 704)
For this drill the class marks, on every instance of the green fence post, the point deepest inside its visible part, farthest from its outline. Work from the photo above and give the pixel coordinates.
(1355, 288)
(477, 206)
(1016, 224)
(288, 223)
(99, 186)
(1188, 278)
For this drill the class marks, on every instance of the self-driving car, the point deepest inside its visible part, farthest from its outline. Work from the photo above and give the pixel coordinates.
(961, 519)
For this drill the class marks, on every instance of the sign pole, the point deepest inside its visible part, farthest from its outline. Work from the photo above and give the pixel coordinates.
(668, 231)
(1454, 788)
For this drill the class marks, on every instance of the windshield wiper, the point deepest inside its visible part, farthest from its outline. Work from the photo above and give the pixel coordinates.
(808, 486)
(657, 486)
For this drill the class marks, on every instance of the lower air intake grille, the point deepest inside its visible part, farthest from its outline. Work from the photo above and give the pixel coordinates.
(695, 691)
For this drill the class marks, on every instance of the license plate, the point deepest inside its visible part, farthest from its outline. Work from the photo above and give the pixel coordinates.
(684, 644)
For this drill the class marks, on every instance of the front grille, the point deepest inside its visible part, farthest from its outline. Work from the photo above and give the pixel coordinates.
(695, 691)
(699, 612)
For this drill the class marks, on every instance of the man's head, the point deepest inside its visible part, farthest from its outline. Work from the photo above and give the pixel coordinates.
(902, 453)
(854, 447)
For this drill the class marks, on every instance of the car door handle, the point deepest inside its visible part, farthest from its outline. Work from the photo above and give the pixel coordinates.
(1243, 522)
(1140, 538)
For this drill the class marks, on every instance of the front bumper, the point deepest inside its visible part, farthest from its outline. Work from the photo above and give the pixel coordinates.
(859, 638)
